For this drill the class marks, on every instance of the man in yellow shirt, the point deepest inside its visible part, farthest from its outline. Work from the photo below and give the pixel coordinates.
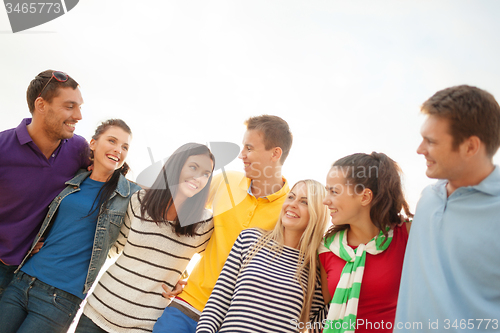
(240, 201)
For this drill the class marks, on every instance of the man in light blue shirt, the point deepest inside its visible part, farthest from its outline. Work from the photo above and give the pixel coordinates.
(451, 272)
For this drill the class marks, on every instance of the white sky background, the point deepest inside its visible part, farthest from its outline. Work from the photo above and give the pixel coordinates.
(348, 76)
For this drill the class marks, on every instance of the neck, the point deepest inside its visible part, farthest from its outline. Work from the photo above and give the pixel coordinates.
(361, 234)
(265, 186)
(44, 142)
(100, 175)
(473, 175)
(291, 239)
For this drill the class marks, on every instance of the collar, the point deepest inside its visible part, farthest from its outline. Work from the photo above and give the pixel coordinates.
(246, 185)
(123, 187)
(22, 131)
(490, 185)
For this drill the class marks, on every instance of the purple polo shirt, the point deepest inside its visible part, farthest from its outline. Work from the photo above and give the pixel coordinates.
(28, 184)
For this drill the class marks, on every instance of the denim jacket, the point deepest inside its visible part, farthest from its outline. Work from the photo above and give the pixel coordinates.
(108, 223)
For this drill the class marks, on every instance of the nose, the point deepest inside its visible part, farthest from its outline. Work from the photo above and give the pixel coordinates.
(240, 155)
(326, 201)
(420, 148)
(77, 114)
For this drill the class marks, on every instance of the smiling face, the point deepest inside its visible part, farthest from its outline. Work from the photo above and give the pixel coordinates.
(110, 150)
(63, 113)
(443, 162)
(194, 176)
(256, 159)
(295, 211)
(342, 200)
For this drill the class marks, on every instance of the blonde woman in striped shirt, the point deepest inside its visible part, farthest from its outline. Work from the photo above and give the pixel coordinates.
(270, 281)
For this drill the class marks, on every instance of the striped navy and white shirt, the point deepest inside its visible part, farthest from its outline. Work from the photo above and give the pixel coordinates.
(128, 297)
(264, 296)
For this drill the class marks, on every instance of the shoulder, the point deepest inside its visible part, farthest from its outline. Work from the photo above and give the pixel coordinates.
(78, 142)
(8, 133)
(8, 140)
(127, 187)
(233, 178)
(206, 215)
(251, 234)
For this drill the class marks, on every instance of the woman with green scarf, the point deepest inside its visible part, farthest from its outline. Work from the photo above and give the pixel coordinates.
(362, 253)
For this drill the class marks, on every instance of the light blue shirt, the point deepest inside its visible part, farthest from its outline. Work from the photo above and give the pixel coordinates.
(451, 271)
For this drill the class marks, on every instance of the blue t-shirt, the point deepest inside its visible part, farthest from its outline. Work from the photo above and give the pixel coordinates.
(451, 271)
(64, 259)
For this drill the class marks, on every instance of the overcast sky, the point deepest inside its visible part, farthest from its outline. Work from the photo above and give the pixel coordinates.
(348, 76)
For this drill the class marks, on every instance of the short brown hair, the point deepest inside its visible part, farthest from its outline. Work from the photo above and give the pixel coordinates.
(470, 111)
(51, 90)
(276, 132)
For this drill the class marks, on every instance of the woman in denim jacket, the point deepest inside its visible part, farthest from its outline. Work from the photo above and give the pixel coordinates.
(82, 225)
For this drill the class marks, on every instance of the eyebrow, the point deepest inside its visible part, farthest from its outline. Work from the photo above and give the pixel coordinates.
(71, 102)
(296, 195)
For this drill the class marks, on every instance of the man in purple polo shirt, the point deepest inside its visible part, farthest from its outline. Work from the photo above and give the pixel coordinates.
(36, 159)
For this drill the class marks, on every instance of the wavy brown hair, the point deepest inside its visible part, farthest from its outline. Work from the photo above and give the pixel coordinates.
(382, 176)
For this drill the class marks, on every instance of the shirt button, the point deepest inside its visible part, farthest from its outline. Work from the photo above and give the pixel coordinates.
(53, 155)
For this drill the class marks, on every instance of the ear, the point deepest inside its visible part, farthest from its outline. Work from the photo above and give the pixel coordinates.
(276, 154)
(40, 105)
(92, 144)
(471, 146)
(366, 197)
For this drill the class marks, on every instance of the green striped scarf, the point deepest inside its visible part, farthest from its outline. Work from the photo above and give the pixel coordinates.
(344, 304)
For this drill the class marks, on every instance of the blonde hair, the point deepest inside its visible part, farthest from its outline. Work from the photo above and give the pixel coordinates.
(308, 243)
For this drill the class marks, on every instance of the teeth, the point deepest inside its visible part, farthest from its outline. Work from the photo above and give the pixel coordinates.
(192, 186)
(334, 210)
(114, 158)
(291, 214)
(72, 125)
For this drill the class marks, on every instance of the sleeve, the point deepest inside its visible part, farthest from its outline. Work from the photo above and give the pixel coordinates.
(319, 310)
(218, 304)
(118, 246)
(84, 154)
(214, 187)
(207, 231)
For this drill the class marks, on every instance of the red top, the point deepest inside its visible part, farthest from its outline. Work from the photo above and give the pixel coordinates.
(379, 287)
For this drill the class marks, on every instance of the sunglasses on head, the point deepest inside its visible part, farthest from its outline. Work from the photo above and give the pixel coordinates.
(59, 76)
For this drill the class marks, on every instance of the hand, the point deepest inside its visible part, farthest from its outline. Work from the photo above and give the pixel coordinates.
(174, 292)
(403, 220)
(38, 246)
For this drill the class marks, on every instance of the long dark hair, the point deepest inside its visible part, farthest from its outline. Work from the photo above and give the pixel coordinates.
(382, 175)
(110, 185)
(159, 198)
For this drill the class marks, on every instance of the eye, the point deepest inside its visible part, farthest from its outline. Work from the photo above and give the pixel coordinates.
(291, 197)
(125, 148)
(304, 202)
(112, 140)
(207, 174)
(192, 167)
